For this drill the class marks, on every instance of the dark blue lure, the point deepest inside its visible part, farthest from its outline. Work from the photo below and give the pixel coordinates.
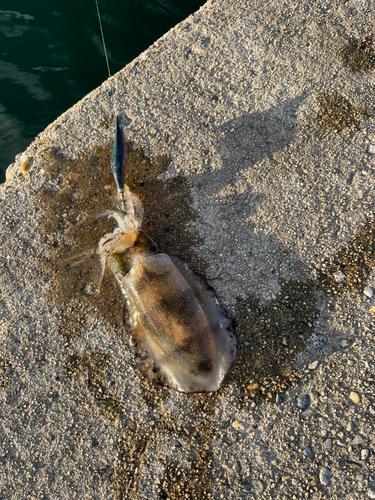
(120, 155)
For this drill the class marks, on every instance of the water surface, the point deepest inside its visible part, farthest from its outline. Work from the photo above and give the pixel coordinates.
(51, 56)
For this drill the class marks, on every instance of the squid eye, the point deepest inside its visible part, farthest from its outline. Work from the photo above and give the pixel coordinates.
(145, 242)
(121, 261)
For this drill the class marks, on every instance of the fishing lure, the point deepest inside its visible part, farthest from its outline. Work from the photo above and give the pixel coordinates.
(183, 338)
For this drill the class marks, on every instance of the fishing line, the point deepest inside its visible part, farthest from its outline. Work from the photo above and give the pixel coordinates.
(120, 150)
(102, 33)
(104, 48)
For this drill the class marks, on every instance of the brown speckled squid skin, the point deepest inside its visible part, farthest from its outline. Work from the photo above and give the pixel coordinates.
(184, 338)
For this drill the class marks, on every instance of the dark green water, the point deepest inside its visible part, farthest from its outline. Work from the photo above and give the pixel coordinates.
(51, 56)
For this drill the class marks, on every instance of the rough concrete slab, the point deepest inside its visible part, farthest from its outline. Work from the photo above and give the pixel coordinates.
(253, 149)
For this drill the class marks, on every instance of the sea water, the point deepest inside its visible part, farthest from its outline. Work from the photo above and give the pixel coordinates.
(51, 55)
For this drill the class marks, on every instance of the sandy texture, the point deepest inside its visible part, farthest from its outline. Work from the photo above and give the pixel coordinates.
(253, 149)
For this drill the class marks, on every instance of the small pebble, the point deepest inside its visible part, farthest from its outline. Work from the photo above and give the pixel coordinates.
(280, 398)
(253, 387)
(238, 425)
(364, 453)
(353, 396)
(237, 467)
(94, 161)
(272, 458)
(328, 443)
(325, 476)
(368, 292)
(358, 439)
(25, 166)
(371, 492)
(339, 276)
(295, 481)
(308, 451)
(350, 362)
(344, 343)
(258, 485)
(314, 480)
(371, 149)
(313, 365)
(350, 427)
(303, 401)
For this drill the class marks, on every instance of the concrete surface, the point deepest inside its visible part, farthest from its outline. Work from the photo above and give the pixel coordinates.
(253, 148)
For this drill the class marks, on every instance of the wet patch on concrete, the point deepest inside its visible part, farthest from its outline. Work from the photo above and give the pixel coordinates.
(153, 395)
(76, 193)
(111, 407)
(91, 366)
(337, 113)
(133, 452)
(270, 337)
(189, 475)
(72, 319)
(358, 54)
(349, 269)
(192, 475)
(80, 190)
(6, 371)
(192, 481)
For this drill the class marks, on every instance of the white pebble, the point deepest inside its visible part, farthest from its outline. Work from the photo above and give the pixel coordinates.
(368, 292)
(339, 276)
(313, 365)
(353, 396)
(371, 149)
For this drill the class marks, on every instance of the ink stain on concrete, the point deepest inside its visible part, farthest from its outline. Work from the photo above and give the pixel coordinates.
(349, 269)
(270, 337)
(337, 113)
(358, 54)
(80, 190)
